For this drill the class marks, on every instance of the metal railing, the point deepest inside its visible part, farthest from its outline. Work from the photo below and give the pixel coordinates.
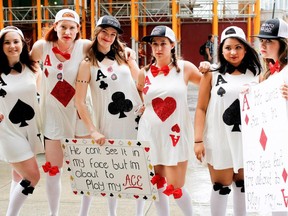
(148, 12)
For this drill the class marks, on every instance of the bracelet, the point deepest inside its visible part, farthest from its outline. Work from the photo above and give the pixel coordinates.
(82, 81)
(198, 142)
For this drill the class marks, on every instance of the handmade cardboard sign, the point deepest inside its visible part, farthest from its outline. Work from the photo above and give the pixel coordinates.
(265, 146)
(119, 168)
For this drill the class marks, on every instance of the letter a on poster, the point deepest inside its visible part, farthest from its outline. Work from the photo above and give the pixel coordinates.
(119, 168)
(265, 146)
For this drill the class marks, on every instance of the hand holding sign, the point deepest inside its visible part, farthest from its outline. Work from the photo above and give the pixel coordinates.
(118, 168)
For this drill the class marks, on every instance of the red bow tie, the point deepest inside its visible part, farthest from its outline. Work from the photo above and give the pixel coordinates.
(155, 70)
(64, 55)
(274, 67)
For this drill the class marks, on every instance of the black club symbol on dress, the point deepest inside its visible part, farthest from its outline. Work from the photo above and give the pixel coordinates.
(120, 105)
(103, 85)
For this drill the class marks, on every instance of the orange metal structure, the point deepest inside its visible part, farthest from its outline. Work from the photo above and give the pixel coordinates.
(139, 16)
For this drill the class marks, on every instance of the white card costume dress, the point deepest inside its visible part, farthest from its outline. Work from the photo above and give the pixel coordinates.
(60, 116)
(166, 121)
(222, 133)
(115, 99)
(20, 129)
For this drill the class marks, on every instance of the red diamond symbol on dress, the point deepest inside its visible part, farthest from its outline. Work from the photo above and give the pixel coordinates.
(263, 139)
(46, 72)
(246, 119)
(145, 89)
(284, 175)
(63, 92)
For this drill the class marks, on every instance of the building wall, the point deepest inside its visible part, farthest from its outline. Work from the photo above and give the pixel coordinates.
(193, 35)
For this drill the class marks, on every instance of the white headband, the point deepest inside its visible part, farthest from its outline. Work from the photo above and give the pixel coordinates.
(11, 29)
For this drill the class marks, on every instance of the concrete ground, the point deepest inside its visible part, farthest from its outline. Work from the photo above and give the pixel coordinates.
(36, 204)
(197, 183)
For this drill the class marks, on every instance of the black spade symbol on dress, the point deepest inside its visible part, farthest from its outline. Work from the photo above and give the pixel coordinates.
(21, 113)
(221, 91)
(2, 93)
(232, 116)
(120, 105)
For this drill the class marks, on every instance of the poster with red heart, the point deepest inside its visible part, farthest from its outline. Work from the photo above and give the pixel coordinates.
(119, 168)
(265, 146)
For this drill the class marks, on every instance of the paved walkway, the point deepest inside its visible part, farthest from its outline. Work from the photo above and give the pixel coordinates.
(197, 182)
(36, 205)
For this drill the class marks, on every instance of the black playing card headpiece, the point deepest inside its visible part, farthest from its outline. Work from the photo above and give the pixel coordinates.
(17, 67)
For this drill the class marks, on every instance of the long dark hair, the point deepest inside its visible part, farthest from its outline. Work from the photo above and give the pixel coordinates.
(283, 57)
(117, 47)
(251, 58)
(24, 56)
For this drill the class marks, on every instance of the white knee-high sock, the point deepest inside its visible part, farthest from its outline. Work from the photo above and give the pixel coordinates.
(16, 200)
(185, 202)
(162, 206)
(85, 205)
(239, 207)
(140, 207)
(12, 186)
(218, 200)
(112, 205)
(53, 190)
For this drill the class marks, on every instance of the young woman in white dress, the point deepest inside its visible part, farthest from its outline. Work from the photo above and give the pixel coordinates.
(19, 116)
(61, 52)
(166, 121)
(113, 91)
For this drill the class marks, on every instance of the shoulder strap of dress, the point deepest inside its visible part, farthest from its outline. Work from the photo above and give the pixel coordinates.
(47, 46)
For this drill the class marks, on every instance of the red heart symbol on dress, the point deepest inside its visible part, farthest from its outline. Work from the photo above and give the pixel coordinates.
(147, 149)
(67, 162)
(111, 141)
(103, 194)
(145, 89)
(175, 128)
(164, 108)
(75, 192)
(136, 196)
(74, 140)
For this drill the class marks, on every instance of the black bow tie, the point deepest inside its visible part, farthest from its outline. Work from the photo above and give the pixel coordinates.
(100, 56)
(17, 67)
(241, 68)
